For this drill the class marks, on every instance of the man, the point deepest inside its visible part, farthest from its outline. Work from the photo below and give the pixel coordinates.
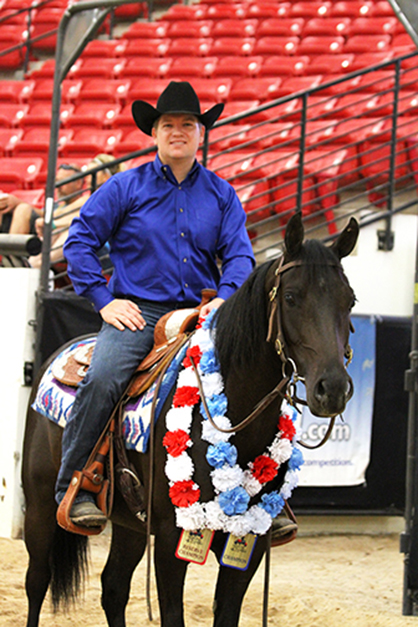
(23, 216)
(168, 222)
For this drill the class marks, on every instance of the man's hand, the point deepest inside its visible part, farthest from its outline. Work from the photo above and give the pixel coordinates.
(8, 202)
(123, 313)
(213, 304)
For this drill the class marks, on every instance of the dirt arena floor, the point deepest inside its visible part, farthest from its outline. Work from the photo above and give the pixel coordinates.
(321, 581)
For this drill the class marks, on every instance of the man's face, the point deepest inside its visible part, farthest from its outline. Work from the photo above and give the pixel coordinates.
(177, 136)
(68, 188)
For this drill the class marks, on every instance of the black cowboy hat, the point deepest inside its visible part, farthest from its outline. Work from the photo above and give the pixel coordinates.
(177, 97)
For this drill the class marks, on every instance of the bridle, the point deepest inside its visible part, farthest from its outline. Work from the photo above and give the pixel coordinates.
(287, 386)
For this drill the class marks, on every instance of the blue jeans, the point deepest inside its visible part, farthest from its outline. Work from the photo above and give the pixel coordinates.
(116, 356)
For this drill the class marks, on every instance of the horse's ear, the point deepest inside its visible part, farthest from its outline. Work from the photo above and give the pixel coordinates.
(293, 238)
(347, 239)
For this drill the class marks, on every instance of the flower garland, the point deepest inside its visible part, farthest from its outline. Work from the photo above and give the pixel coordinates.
(229, 511)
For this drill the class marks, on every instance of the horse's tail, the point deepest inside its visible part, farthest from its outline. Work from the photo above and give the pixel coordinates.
(69, 567)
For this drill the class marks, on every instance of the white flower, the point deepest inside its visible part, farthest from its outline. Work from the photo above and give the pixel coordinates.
(281, 450)
(251, 484)
(212, 384)
(187, 377)
(214, 436)
(291, 480)
(239, 526)
(179, 418)
(227, 478)
(179, 468)
(259, 520)
(191, 518)
(215, 517)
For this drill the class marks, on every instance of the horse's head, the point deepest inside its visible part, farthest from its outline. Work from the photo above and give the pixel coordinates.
(312, 318)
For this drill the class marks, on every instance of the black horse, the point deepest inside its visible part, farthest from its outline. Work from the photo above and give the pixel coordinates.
(307, 318)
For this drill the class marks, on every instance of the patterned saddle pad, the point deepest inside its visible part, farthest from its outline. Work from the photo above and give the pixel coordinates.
(54, 399)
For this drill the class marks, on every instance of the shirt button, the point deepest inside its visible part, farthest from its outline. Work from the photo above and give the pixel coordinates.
(182, 234)
(185, 259)
(186, 285)
(181, 210)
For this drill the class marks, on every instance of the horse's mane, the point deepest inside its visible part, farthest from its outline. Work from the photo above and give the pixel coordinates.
(241, 322)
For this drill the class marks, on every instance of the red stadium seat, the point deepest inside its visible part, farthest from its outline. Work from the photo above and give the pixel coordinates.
(374, 25)
(147, 47)
(275, 134)
(357, 105)
(16, 91)
(281, 65)
(371, 43)
(222, 138)
(223, 11)
(266, 88)
(188, 67)
(134, 140)
(105, 48)
(377, 81)
(296, 84)
(330, 64)
(11, 36)
(269, 46)
(115, 91)
(19, 173)
(238, 67)
(40, 114)
(321, 44)
(335, 84)
(186, 46)
(255, 199)
(281, 27)
(237, 46)
(264, 9)
(100, 115)
(108, 68)
(186, 12)
(330, 26)
(189, 28)
(368, 59)
(43, 90)
(234, 28)
(237, 107)
(46, 19)
(153, 68)
(124, 120)
(46, 70)
(213, 89)
(8, 140)
(403, 43)
(147, 30)
(89, 144)
(36, 142)
(12, 115)
(351, 8)
(128, 12)
(310, 9)
(409, 79)
(231, 166)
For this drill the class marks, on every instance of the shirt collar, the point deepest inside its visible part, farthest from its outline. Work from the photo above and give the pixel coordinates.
(164, 171)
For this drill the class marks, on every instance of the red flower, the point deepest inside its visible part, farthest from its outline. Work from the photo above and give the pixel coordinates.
(287, 428)
(184, 493)
(176, 442)
(193, 352)
(186, 395)
(264, 468)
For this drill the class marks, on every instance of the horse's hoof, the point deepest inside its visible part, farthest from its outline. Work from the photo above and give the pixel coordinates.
(87, 514)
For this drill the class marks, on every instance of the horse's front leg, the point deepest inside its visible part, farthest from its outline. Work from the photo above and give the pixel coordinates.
(126, 550)
(170, 573)
(232, 584)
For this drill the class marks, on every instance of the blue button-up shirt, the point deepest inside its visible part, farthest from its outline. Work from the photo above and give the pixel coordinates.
(165, 237)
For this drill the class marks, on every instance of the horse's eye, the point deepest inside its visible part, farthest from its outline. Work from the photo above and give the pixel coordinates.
(289, 299)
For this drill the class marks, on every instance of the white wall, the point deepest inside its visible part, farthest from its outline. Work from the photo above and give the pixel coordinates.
(384, 281)
(17, 337)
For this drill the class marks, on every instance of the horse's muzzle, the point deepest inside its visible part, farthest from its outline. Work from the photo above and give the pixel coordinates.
(330, 395)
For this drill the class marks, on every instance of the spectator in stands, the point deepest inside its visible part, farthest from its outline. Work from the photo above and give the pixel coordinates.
(167, 221)
(62, 222)
(19, 217)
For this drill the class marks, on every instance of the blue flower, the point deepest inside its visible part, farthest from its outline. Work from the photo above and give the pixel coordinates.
(222, 453)
(272, 503)
(208, 320)
(234, 501)
(296, 460)
(217, 405)
(208, 362)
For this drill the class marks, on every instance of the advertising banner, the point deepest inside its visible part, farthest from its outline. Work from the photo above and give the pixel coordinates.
(343, 460)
